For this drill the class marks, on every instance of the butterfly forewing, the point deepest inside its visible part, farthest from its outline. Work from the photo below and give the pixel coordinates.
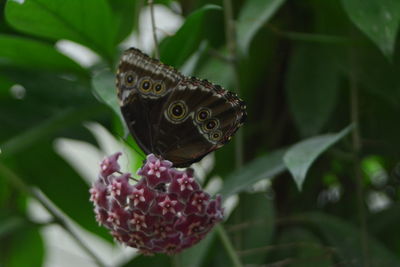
(178, 118)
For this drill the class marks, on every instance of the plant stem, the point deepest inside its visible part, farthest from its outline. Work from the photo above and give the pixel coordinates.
(356, 144)
(230, 34)
(228, 246)
(20, 184)
(153, 28)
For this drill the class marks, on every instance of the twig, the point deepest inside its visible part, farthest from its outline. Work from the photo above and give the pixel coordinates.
(153, 28)
(20, 184)
(310, 37)
(327, 250)
(245, 225)
(228, 246)
(230, 32)
(130, 177)
(219, 56)
(356, 143)
(284, 262)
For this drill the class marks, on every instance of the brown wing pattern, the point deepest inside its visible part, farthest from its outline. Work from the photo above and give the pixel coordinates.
(178, 118)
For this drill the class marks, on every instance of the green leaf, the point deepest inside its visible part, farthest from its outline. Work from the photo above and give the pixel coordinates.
(5, 85)
(126, 13)
(300, 156)
(374, 73)
(61, 120)
(9, 225)
(42, 167)
(104, 88)
(346, 240)
(27, 53)
(262, 167)
(216, 70)
(253, 15)
(312, 87)
(88, 22)
(47, 95)
(175, 50)
(379, 20)
(29, 242)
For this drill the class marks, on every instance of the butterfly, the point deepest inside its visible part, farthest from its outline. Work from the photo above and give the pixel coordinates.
(178, 118)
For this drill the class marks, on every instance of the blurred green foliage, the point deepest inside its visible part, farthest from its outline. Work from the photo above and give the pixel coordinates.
(307, 70)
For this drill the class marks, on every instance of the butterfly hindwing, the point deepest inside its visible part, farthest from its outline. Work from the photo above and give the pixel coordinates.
(208, 123)
(178, 118)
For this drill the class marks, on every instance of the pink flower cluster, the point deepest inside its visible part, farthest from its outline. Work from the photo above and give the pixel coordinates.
(166, 211)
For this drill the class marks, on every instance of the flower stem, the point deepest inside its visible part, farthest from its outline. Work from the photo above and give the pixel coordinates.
(356, 143)
(153, 28)
(228, 246)
(230, 35)
(231, 43)
(57, 218)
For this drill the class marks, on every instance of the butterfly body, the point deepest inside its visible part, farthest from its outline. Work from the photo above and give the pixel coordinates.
(178, 118)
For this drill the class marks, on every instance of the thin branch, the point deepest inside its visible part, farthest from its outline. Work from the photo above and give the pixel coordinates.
(130, 177)
(356, 143)
(219, 56)
(153, 28)
(244, 225)
(310, 37)
(20, 184)
(284, 262)
(231, 43)
(228, 246)
(252, 251)
(230, 33)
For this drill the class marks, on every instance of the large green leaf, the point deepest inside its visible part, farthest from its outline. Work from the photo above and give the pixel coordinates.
(216, 70)
(253, 15)
(300, 156)
(379, 20)
(175, 50)
(42, 167)
(10, 225)
(22, 141)
(5, 85)
(376, 74)
(263, 167)
(104, 88)
(126, 13)
(312, 87)
(57, 102)
(22, 52)
(88, 22)
(27, 241)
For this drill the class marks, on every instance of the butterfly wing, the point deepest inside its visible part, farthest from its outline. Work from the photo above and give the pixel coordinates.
(210, 116)
(178, 118)
(143, 84)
